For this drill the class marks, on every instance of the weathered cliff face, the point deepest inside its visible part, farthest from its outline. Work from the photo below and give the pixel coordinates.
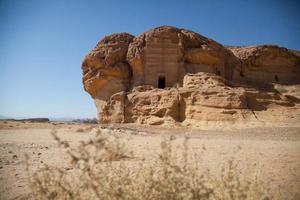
(267, 64)
(169, 75)
(204, 97)
(173, 52)
(105, 70)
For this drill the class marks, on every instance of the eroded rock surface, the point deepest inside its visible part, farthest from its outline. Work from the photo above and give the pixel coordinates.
(267, 64)
(172, 76)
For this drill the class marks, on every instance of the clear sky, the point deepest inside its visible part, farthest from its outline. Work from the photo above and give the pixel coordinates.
(42, 43)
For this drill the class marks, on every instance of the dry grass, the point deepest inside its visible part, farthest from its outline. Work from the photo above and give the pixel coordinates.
(85, 130)
(80, 130)
(103, 170)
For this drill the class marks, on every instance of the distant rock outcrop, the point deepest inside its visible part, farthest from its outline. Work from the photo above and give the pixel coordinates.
(169, 75)
(34, 120)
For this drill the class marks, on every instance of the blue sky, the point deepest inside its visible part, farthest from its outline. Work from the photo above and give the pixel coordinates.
(42, 43)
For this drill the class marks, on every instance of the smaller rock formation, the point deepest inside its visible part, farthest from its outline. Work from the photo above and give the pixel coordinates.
(265, 64)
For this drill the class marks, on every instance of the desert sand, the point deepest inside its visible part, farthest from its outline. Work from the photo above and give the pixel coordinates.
(270, 152)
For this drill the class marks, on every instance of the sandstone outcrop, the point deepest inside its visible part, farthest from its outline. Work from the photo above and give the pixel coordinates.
(267, 64)
(105, 70)
(172, 76)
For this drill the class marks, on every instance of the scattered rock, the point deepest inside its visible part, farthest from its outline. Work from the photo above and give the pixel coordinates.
(156, 122)
(142, 133)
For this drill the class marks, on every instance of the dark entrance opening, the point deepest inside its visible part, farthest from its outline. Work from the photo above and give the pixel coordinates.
(241, 74)
(161, 81)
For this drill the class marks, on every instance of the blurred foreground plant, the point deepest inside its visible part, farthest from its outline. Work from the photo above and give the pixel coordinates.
(103, 169)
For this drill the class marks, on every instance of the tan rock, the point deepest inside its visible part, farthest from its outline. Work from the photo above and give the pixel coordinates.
(169, 75)
(106, 64)
(155, 106)
(267, 64)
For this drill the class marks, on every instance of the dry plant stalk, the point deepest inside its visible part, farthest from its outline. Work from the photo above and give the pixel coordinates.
(102, 171)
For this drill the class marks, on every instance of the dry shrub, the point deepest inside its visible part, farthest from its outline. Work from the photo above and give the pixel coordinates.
(85, 130)
(80, 130)
(100, 172)
(103, 147)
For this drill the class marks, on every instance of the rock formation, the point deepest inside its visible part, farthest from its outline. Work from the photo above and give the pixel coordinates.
(267, 64)
(170, 76)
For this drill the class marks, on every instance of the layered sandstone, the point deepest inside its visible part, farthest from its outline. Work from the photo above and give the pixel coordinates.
(267, 64)
(170, 76)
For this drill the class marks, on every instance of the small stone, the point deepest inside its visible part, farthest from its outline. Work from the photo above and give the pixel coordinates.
(68, 168)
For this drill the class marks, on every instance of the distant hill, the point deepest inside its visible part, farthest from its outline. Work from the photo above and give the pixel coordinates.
(63, 119)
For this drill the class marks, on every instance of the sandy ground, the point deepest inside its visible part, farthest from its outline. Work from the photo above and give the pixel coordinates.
(273, 152)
